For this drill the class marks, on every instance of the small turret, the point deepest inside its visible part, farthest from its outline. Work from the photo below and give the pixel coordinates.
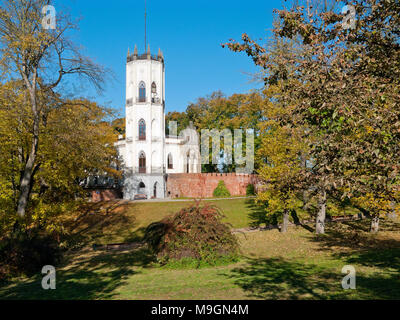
(135, 52)
(148, 52)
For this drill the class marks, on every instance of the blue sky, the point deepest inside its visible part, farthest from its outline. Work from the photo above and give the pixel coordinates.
(189, 33)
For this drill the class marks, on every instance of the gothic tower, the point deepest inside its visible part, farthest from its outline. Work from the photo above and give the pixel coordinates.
(145, 124)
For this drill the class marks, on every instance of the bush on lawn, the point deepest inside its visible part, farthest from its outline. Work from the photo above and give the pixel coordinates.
(221, 190)
(250, 190)
(195, 232)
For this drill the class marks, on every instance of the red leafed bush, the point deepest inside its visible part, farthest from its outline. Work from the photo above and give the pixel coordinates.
(194, 232)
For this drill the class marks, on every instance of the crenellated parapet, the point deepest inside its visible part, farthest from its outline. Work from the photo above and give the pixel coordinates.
(145, 56)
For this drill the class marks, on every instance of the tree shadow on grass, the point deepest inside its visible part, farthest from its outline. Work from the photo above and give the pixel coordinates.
(352, 237)
(258, 215)
(92, 275)
(277, 278)
(380, 254)
(100, 222)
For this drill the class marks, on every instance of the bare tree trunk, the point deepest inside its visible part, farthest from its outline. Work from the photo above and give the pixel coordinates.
(305, 192)
(285, 221)
(320, 222)
(27, 178)
(374, 224)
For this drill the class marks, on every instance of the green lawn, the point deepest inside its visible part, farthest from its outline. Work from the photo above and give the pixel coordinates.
(296, 265)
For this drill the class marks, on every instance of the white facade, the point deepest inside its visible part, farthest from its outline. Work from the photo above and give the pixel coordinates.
(146, 153)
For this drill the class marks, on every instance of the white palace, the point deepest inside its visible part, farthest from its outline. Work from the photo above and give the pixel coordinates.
(147, 153)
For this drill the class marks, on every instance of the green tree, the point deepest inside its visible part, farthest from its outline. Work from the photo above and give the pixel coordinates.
(216, 111)
(345, 91)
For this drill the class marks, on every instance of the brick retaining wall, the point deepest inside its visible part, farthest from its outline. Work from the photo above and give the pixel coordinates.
(105, 195)
(202, 185)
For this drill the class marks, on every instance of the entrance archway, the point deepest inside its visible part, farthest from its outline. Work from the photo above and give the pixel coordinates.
(142, 188)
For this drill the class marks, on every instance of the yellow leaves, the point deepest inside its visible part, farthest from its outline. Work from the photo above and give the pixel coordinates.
(378, 204)
(278, 201)
(74, 140)
(369, 129)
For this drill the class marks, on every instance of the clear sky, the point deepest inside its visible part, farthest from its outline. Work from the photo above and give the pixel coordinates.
(189, 33)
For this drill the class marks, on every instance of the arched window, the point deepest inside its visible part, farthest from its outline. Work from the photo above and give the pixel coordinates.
(154, 98)
(142, 162)
(142, 92)
(187, 162)
(142, 129)
(155, 190)
(170, 163)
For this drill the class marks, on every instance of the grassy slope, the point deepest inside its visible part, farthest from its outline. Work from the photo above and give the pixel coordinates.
(115, 222)
(296, 265)
(121, 222)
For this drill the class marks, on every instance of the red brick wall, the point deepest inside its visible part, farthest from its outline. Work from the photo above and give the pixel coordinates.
(105, 195)
(202, 185)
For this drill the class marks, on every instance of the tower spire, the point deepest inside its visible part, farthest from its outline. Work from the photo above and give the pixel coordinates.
(145, 24)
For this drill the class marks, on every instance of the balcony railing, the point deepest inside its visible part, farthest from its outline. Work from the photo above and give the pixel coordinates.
(157, 169)
(140, 99)
(129, 102)
(153, 170)
(139, 170)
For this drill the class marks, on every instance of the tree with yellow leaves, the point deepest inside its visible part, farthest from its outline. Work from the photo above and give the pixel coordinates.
(280, 157)
(39, 59)
(76, 141)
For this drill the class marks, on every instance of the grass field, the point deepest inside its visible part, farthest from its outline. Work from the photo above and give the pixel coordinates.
(296, 265)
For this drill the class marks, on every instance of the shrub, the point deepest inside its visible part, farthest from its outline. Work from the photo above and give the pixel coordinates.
(26, 252)
(250, 190)
(221, 190)
(195, 232)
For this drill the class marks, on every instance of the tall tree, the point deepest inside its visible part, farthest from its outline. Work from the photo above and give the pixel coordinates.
(40, 58)
(345, 89)
(76, 141)
(280, 160)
